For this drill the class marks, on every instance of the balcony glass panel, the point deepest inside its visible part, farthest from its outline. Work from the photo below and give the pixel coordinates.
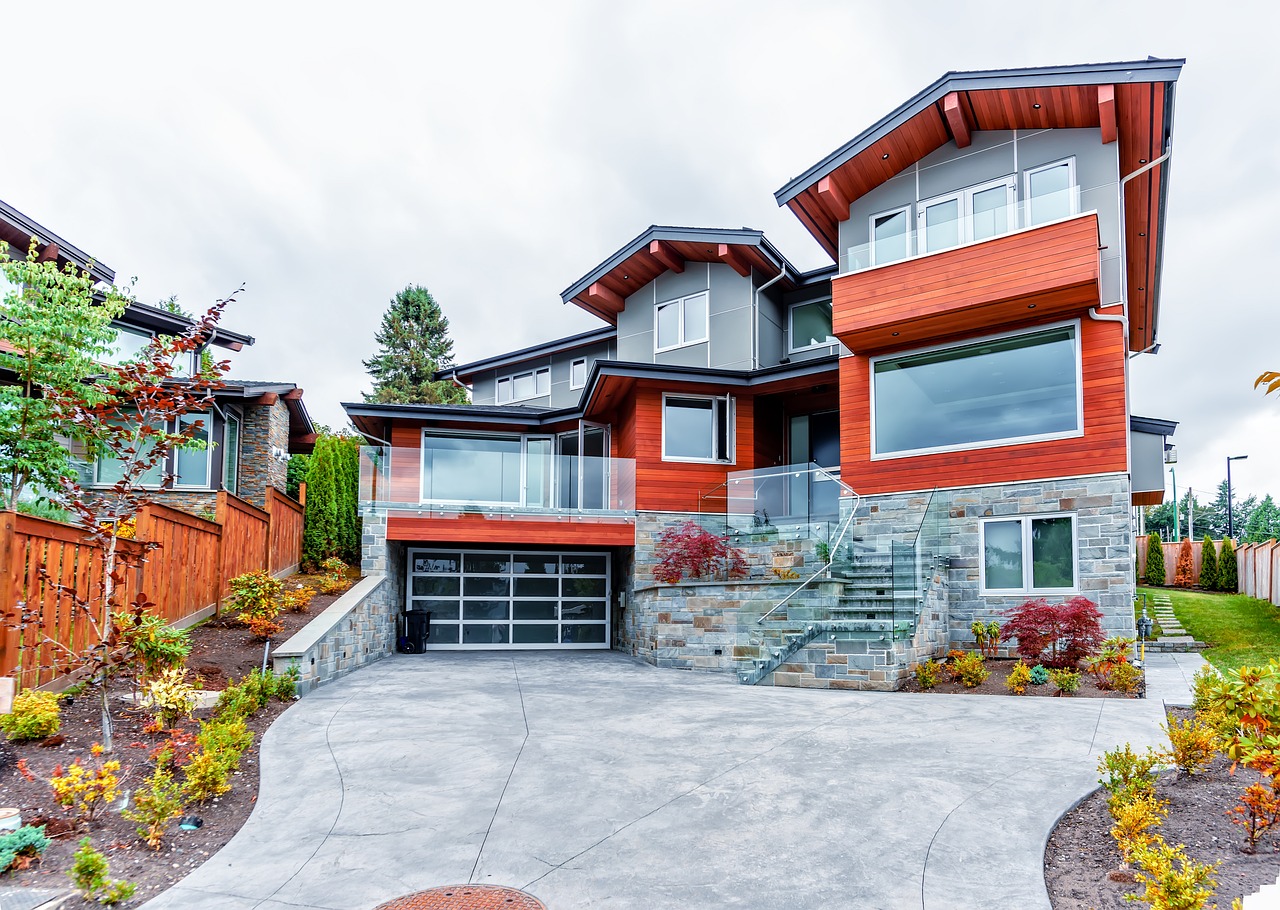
(890, 237)
(471, 469)
(1049, 191)
(942, 226)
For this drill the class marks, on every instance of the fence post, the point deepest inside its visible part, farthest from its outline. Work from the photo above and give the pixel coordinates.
(267, 500)
(8, 590)
(221, 514)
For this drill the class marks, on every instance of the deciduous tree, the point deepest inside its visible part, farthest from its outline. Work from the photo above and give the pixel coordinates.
(1184, 573)
(413, 344)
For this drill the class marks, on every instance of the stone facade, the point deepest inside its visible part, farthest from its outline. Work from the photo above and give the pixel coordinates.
(265, 428)
(356, 630)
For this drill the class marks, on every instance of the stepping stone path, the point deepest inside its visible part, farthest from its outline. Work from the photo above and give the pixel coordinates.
(1173, 637)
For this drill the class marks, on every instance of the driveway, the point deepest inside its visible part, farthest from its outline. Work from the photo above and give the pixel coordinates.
(590, 780)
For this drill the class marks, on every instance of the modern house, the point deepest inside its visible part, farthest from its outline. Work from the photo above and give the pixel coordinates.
(931, 429)
(249, 429)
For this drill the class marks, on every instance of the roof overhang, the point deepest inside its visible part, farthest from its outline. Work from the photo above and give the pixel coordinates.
(166, 323)
(1152, 425)
(302, 432)
(584, 339)
(18, 230)
(1130, 102)
(603, 291)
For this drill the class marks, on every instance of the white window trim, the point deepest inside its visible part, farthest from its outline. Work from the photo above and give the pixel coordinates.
(989, 443)
(583, 361)
(1070, 162)
(680, 302)
(871, 234)
(965, 197)
(791, 333)
(1026, 519)
(511, 378)
(206, 420)
(731, 435)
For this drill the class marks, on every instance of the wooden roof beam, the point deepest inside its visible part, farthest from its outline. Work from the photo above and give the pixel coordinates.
(730, 256)
(1107, 112)
(957, 122)
(265, 401)
(604, 298)
(836, 202)
(666, 254)
(49, 253)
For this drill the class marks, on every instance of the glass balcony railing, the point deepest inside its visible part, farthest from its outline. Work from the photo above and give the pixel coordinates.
(966, 218)
(507, 476)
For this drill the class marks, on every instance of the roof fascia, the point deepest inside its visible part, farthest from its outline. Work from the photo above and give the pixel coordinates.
(1153, 425)
(156, 319)
(551, 347)
(98, 270)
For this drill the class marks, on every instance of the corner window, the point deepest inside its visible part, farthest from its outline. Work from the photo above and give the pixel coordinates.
(1051, 192)
(811, 325)
(1030, 554)
(680, 322)
(231, 455)
(578, 374)
(997, 391)
(697, 429)
(532, 384)
(192, 463)
(890, 240)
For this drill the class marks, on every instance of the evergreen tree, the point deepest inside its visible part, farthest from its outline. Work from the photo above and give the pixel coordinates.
(1228, 571)
(1155, 561)
(1184, 573)
(413, 344)
(296, 474)
(1208, 564)
(1263, 523)
(320, 520)
(348, 517)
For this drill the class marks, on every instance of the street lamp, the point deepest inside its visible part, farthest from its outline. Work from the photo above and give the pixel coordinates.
(1231, 527)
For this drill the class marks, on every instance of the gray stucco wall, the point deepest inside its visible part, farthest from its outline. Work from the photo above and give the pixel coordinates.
(730, 304)
(484, 387)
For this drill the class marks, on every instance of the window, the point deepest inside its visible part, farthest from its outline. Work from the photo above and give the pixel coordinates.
(109, 470)
(889, 238)
(128, 345)
(193, 463)
(1029, 554)
(1050, 192)
(680, 322)
(1011, 388)
(532, 384)
(231, 455)
(811, 325)
(697, 429)
(967, 216)
(578, 374)
(471, 468)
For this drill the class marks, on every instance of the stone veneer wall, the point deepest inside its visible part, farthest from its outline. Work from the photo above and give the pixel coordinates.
(354, 631)
(382, 557)
(264, 427)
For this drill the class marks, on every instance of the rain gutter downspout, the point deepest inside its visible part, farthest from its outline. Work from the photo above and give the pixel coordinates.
(755, 317)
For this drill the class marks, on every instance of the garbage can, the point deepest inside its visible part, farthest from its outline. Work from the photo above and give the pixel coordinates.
(417, 630)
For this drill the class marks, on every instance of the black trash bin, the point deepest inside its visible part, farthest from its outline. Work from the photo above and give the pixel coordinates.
(417, 630)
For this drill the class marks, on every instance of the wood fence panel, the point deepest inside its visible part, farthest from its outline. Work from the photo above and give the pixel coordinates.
(182, 574)
(1275, 574)
(1264, 585)
(245, 538)
(286, 531)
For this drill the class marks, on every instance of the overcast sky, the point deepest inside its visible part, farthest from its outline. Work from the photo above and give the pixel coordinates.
(495, 152)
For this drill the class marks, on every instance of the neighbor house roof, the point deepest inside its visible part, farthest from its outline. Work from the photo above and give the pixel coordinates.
(583, 339)
(302, 432)
(17, 230)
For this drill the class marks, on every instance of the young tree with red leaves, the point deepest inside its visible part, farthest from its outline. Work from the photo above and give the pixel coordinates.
(690, 550)
(1184, 573)
(1056, 635)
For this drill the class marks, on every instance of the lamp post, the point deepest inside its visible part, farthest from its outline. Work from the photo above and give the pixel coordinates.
(1231, 531)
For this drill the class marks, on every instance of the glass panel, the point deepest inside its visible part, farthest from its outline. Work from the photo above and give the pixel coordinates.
(485, 609)
(889, 240)
(568, 483)
(524, 386)
(811, 324)
(990, 212)
(483, 563)
(111, 471)
(942, 225)
(585, 565)
(584, 587)
(595, 468)
(668, 325)
(128, 344)
(231, 455)
(484, 634)
(1052, 546)
(443, 635)
(581, 610)
(439, 609)
(544, 382)
(578, 374)
(193, 463)
(688, 428)
(534, 635)
(504, 390)
(537, 587)
(435, 587)
(1002, 554)
(695, 318)
(1006, 388)
(535, 564)
(437, 562)
(471, 469)
(535, 609)
(588, 634)
(486, 586)
(1050, 193)
(538, 473)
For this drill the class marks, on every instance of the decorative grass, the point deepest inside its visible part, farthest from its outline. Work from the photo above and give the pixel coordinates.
(1240, 631)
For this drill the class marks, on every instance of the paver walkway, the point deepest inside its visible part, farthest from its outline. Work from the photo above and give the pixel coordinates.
(589, 780)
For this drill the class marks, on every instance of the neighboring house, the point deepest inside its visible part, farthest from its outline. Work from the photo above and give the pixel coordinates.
(250, 428)
(944, 408)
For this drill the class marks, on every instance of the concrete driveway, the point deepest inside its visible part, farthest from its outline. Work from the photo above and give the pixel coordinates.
(590, 780)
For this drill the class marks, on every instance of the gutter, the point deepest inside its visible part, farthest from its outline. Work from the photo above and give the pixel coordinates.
(755, 316)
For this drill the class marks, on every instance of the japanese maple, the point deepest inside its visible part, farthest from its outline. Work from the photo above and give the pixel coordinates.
(1056, 635)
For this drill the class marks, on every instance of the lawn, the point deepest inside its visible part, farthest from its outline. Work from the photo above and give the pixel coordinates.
(1240, 631)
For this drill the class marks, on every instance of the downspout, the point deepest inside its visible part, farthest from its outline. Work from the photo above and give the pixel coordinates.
(755, 317)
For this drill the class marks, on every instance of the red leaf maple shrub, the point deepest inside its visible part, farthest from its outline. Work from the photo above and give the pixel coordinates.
(688, 549)
(1184, 573)
(1056, 635)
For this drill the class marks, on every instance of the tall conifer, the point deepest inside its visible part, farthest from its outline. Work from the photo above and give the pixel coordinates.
(413, 344)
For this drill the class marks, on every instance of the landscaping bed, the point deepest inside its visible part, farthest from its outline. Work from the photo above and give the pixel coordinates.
(222, 652)
(1000, 668)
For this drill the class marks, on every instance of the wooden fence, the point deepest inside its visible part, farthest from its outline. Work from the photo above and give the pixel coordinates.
(1260, 570)
(1171, 551)
(186, 575)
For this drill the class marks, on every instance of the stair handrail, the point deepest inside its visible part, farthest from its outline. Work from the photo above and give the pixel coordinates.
(832, 547)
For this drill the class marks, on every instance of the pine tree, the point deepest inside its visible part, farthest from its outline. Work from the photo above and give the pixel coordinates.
(1228, 571)
(1263, 523)
(1184, 573)
(1155, 561)
(1208, 564)
(413, 344)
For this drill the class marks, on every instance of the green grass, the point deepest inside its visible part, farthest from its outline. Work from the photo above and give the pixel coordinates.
(1240, 631)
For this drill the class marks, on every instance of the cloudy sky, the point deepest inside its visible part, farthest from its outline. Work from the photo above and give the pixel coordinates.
(325, 155)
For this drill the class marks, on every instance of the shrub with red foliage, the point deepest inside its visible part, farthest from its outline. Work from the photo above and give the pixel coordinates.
(1056, 635)
(688, 549)
(1184, 574)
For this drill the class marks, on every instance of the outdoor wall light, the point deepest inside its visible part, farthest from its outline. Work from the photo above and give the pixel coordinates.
(1036, 105)
(884, 157)
(190, 822)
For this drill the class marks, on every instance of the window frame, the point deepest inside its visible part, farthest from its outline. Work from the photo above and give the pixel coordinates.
(1073, 200)
(964, 196)
(231, 456)
(206, 419)
(680, 303)
(169, 466)
(908, 233)
(572, 366)
(511, 378)
(791, 327)
(1027, 520)
(726, 407)
(974, 342)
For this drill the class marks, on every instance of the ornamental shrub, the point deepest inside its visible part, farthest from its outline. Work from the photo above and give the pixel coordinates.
(1184, 573)
(1056, 635)
(1228, 571)
(20, 848)
(86, 791)
(154, 645)
(1208, 564)
(157, 802)
(334, 578)
(89, 872)
(1155, 561)
(1066, 681)
(1039, 675)
(969, 670)
(170, 696)
(1188, 886)
(1193, 744)
(1018, 679)
(690, 550)
(258, 598)
(1128, 775)
(928, 674)
(1134, 821)
(221, 745)
(34, 716)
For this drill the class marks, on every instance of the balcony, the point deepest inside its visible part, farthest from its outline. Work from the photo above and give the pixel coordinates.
(955, 275)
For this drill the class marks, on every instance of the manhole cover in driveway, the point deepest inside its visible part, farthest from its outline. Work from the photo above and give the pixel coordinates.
(466, 897)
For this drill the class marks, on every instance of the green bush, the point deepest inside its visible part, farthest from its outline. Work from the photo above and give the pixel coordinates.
(1155, 561)
(154, 645)
(928, 674)
(1208, 564)
(89, 872)
(1018, 679)
(1066, 681)
(1039, 675)
(34, 716)
(1128, 775)
(969, 670)
(250, 695)
(157, 802)
(1228, 571)
(19, 848)
(220, 745)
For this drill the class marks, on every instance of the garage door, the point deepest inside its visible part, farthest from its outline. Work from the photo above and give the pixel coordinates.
(495, 599)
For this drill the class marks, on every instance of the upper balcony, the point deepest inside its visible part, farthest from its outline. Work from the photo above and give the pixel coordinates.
(963, 268)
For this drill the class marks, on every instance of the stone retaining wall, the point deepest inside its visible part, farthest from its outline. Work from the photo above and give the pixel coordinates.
(354, 631)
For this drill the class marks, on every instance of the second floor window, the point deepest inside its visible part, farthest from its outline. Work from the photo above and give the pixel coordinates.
(578, 374)
(128, 345)
(811, 325)
(680, 322)
(532, 384)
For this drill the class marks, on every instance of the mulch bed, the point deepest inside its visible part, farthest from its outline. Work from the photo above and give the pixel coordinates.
(1000, 668)
(1082, 864)
(222, 652)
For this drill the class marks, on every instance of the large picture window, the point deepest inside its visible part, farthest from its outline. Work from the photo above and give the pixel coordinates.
(680, 322)
(480, 469)
(811, 325)
(190, 465)
(697, 429)
(1001, 390)
(1029, 554)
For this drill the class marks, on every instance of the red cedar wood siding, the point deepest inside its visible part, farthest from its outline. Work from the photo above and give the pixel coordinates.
(1102, 448)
